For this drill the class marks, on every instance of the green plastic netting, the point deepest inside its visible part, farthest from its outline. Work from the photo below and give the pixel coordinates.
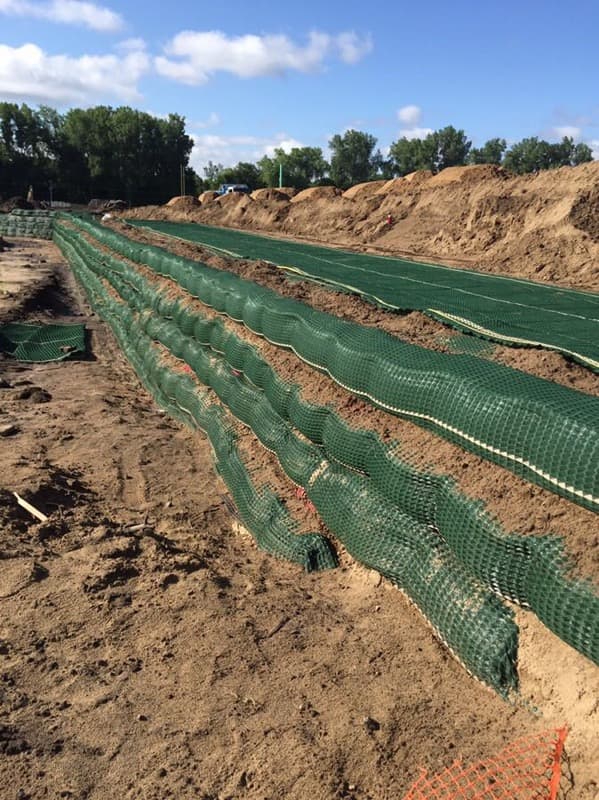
(531, 571)
(508, 310)
(37, 224)
(41, 343)
(545, 432)
(475, 625)
(389, 528)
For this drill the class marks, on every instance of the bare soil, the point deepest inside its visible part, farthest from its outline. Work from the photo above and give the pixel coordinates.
(150, 650)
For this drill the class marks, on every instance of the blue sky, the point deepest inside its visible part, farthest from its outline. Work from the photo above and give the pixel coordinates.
(250, 76)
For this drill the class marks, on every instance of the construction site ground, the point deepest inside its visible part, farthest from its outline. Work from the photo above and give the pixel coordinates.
(150, 650)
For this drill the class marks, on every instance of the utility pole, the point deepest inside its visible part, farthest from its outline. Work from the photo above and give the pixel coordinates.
(280, 174)
(51, 187)
(182, 187)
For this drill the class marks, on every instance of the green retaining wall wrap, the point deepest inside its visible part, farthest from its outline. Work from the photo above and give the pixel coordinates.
(531, 571)
(260, 510)
(545, 432)
(468, 617)
(37, 224)
(509, 310)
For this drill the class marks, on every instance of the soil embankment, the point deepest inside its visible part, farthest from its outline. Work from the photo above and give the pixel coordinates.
(544, 226)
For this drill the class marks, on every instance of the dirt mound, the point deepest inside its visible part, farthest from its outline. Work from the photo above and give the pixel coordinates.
(317, 193)
(276, 195)
(407, 182)
(363, 189)
(235, 199)
(476, 172)
(542, 226)
(207, 196)
(184, 201)
(585, 212)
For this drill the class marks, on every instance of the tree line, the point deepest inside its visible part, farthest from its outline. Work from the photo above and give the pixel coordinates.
(355, 158)
(96, 152)
(123, 153)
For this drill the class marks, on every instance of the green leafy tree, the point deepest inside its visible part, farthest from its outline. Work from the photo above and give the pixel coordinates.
(490, 153)
(212, 173)
(243, 172)
(128, 153)
(447, 147)
(354, 159)
(533, 154)
(581, 154)
(26, 147)
(453, 147)
(409, 155)
(302, 167)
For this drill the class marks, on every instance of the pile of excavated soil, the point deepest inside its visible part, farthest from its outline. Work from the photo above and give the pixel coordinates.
(361, 190)
(183, 202)
(316, 193)
(206, 197)
(269, 195)
(543, 226)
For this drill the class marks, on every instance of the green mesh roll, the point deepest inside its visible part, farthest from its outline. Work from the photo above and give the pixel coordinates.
(547, 433)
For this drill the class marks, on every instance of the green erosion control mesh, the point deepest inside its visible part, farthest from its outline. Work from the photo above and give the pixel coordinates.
(531, 571)
(508, 310)
(41, 343)
(469, 618)
(414, 528)
(38, 224)
(545, 432)
(262, 513)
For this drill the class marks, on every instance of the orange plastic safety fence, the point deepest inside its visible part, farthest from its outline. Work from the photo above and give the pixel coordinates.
(527, 769)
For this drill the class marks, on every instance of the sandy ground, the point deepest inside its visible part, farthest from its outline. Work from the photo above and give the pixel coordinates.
(149, 650)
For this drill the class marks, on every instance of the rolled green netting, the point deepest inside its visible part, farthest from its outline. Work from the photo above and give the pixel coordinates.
(475, 625)
(514, 311)
(20, 222)
(545, 432)
(261, 512)
(510, 565)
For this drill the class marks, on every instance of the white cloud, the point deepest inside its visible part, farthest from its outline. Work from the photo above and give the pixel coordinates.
(410, 115)
(29, 74)
(284, 144)
(192, 57)
(567, 130)
(71, 12)
(352, 48)
(130, 45)
(415, 133)
(594, 145)
(211, 122)
(229, 150)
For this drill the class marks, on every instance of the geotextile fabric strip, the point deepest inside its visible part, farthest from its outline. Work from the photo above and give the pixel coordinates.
(531, 571)
(469, 618)
(542, 431)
